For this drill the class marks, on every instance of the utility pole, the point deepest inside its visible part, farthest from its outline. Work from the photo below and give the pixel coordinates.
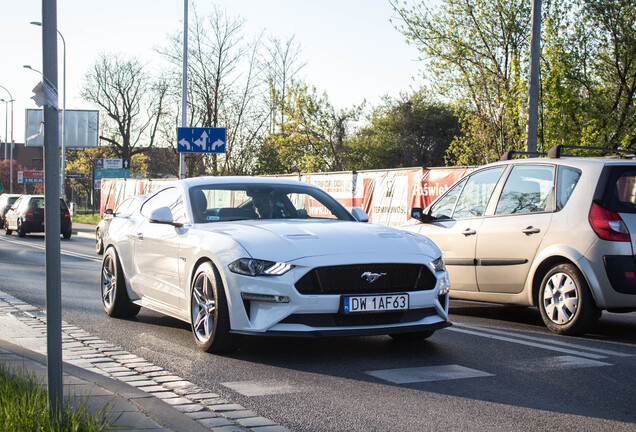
(532, 123)
(184, 87)
(49, 99)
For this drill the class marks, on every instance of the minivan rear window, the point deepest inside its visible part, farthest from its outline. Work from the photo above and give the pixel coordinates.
(620, 194)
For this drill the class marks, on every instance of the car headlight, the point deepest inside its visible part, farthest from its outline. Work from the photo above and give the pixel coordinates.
(438, 264)
(256, 267)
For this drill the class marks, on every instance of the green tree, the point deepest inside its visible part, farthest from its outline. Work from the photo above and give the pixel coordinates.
(408, 131)
(5, 175)
(312, 138)
(84, 161)
(589, 69)
(474, 54)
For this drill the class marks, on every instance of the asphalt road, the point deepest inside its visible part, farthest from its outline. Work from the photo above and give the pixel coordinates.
(496, 368)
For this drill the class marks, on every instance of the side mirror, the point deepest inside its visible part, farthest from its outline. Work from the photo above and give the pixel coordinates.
(163, 215)
(418, 213)
(359, 214)
(108, 212)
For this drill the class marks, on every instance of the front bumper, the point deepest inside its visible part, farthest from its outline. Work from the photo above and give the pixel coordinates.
(321, 314)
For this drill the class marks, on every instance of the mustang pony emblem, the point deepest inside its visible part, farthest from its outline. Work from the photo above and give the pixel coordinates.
(371, 277)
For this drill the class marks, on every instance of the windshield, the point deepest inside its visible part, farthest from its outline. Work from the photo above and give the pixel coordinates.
(217, 203)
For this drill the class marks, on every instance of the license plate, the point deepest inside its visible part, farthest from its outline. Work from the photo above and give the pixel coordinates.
(375, 303)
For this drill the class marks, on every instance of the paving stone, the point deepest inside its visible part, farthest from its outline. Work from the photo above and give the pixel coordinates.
(189, 408)
(275, 428)
(177, 401)
(216, 422)
(202, 396)
(164, 378)
(151, 388)
(145, 369)
(239, 414)
(177, 384)
(226, 407)
(255, 422)
(204, 413)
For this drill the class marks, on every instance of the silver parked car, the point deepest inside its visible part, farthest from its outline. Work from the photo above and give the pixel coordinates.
(557, 232)
(116, 220)
(260, 256)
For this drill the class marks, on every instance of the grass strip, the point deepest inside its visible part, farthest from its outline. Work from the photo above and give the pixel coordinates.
(24, 407)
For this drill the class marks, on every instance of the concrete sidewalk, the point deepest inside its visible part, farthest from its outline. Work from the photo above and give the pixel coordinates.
(128, 407)
(140, 395)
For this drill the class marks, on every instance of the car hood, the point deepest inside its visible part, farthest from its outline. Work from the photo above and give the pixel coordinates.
(295, 239)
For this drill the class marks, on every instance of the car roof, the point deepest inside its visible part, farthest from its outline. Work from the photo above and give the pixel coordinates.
(578, 162)
(221, 180)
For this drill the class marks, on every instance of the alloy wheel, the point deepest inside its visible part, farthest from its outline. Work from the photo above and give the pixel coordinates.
(203, 308)
(560, 298)
(109, 282)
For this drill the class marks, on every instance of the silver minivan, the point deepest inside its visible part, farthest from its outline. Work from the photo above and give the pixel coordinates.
(554, 232)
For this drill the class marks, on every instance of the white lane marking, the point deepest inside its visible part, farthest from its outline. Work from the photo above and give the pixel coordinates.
(427, 374)
(553, 342)
(63, 251)
(557, 363)
(262, 388)
(514, 339)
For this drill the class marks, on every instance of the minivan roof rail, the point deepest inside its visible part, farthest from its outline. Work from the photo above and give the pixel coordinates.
(555, 151)
(511, 153)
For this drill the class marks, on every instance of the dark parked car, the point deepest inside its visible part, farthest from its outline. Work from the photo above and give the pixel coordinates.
(6, 201)
(26, 215)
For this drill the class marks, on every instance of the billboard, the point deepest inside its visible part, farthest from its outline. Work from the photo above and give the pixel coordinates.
(81, 128)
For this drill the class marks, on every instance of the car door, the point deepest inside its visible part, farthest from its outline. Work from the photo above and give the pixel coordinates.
(11, 218)
(509, 238)
(456, 219)
(156, 251)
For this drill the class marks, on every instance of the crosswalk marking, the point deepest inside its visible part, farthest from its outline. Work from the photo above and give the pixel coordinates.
(544, 340)
(514, 338)
(427, 374)
(557, 363)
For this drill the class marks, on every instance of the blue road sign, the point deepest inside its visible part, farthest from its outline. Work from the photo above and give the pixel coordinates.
(201, 140)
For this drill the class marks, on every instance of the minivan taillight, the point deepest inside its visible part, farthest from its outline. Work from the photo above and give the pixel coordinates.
(607, 224)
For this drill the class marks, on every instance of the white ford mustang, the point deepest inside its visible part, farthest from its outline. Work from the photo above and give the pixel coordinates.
(258, 256)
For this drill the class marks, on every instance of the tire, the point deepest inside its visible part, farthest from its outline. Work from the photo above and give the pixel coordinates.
(20, 229)
(565, 301)
(67, 234)
(412, 336)
(7, 231)
(99, 243)
(209, 314)
(115, 298)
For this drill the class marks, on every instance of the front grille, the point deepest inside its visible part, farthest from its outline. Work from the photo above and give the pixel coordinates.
(348, 279)
(358, 320)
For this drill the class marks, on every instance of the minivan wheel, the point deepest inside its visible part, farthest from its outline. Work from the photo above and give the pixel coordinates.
(565, 301)
(209, 314)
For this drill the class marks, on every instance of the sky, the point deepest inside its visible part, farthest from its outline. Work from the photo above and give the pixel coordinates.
(353, 52)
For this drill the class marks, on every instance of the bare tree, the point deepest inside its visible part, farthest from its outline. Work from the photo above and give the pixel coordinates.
(130, 99)
(283, 65)
(223, 87)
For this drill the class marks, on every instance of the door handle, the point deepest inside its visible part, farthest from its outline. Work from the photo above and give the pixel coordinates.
(531, 230)
(469, 231)
(140, 236)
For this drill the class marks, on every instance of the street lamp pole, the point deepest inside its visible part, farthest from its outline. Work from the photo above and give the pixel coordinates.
(63, 161)
(6, 124)
(5, 146)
